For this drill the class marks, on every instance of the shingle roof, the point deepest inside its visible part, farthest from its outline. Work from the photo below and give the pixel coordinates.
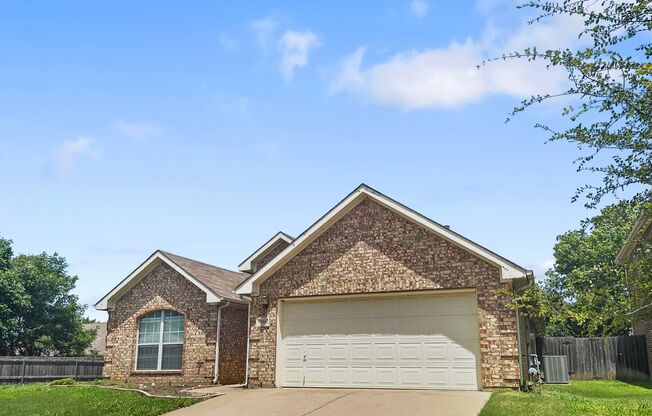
(219, 280)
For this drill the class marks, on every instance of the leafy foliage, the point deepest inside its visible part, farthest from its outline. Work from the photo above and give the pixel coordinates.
(586, 293)
(38, 313)
(611, 84)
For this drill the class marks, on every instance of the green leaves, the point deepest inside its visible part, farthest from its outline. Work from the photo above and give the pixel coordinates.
(611, 83)
(586, 293)
(38, 313)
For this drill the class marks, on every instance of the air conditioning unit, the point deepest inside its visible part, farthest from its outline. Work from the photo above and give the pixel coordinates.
(555, 369)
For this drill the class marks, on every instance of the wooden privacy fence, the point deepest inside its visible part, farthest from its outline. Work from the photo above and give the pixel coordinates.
(30, 369)
(609, 358)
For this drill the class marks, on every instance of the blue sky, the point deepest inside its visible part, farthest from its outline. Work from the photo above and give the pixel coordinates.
(203, 128)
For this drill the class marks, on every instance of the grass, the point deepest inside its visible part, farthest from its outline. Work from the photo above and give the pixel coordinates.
(81, 400)
(598, 398)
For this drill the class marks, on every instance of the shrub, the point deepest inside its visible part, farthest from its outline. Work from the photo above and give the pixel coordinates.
(63, 382)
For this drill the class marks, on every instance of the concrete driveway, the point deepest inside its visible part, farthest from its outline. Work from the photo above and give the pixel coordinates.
(323, 402)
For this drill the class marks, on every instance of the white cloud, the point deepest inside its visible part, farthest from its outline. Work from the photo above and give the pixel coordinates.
(264, 31)
(227, 42)
(448, 76)
(67, 155)
(138, 131)
(295, 48)
(419, 8)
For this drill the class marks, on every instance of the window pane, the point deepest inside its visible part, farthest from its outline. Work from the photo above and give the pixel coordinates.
(172, 357)
(172, 328)
(147, 357)
(149, 328)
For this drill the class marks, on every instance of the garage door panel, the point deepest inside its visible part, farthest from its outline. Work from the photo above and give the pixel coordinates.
(436, 377)
(408, 307)
(362, 308)
(432, 306)
(362, 376)
(293, 353)
(463, 353)
(317, 376)
(361, 352)
(385, 352)
(463, 377)
(338, 352)
(338, 376)
(411, 376)
(316, 352)
(462, 327)
(427, 342)
(436, 351)
(293, 376)
(409, 352)
(385, 376)
(461, 304)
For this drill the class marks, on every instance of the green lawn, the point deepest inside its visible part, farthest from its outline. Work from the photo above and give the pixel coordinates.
(578, 398)
(42, 400)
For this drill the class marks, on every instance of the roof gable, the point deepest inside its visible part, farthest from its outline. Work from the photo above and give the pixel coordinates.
(248, 263)
(641, 227)
(215, 282)
(508, 269)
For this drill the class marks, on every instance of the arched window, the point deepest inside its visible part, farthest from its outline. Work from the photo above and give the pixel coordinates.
(160, 341)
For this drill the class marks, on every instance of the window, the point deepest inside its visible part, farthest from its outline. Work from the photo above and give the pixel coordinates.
(160, 341)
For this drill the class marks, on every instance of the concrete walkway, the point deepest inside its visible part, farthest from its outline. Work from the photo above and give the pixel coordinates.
(323, 402)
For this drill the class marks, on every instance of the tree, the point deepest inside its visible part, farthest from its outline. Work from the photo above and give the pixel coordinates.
(38, 313)
(585, 293)
(611, 84)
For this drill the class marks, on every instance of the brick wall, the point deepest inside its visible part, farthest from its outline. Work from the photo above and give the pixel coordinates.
(164, 288)
(233, 345)
(271, 253)
(644, 327)
(373, 249)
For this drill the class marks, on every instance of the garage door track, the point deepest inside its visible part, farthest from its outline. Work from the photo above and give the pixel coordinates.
(323, 402)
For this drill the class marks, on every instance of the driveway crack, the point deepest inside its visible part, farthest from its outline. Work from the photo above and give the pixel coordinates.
(329, 402)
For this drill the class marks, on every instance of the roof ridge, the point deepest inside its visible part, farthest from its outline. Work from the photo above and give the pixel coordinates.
(198, 261)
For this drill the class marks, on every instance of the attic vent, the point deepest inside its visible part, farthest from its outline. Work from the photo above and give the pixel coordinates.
(555, 369)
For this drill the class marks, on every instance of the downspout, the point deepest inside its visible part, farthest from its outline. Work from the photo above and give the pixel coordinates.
(217, 339)
(246, 378)
(518, 332)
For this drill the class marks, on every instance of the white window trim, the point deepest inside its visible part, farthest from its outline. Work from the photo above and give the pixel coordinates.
(160, 344)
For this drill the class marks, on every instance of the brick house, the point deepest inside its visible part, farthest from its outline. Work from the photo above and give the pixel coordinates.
(372, 295)
(636, 250)
(165, 319)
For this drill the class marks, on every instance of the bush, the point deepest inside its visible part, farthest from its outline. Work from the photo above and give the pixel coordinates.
(63, 382)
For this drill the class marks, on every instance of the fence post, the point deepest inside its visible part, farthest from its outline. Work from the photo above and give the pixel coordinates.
(76, 368)
(22, 373)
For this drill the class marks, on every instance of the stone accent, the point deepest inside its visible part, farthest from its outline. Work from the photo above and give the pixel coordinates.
(233, 346)
(165, 288)
(373, 249)
(644, 327)
(269, 255)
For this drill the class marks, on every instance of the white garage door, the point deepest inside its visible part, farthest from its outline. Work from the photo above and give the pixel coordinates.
(417, 342)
